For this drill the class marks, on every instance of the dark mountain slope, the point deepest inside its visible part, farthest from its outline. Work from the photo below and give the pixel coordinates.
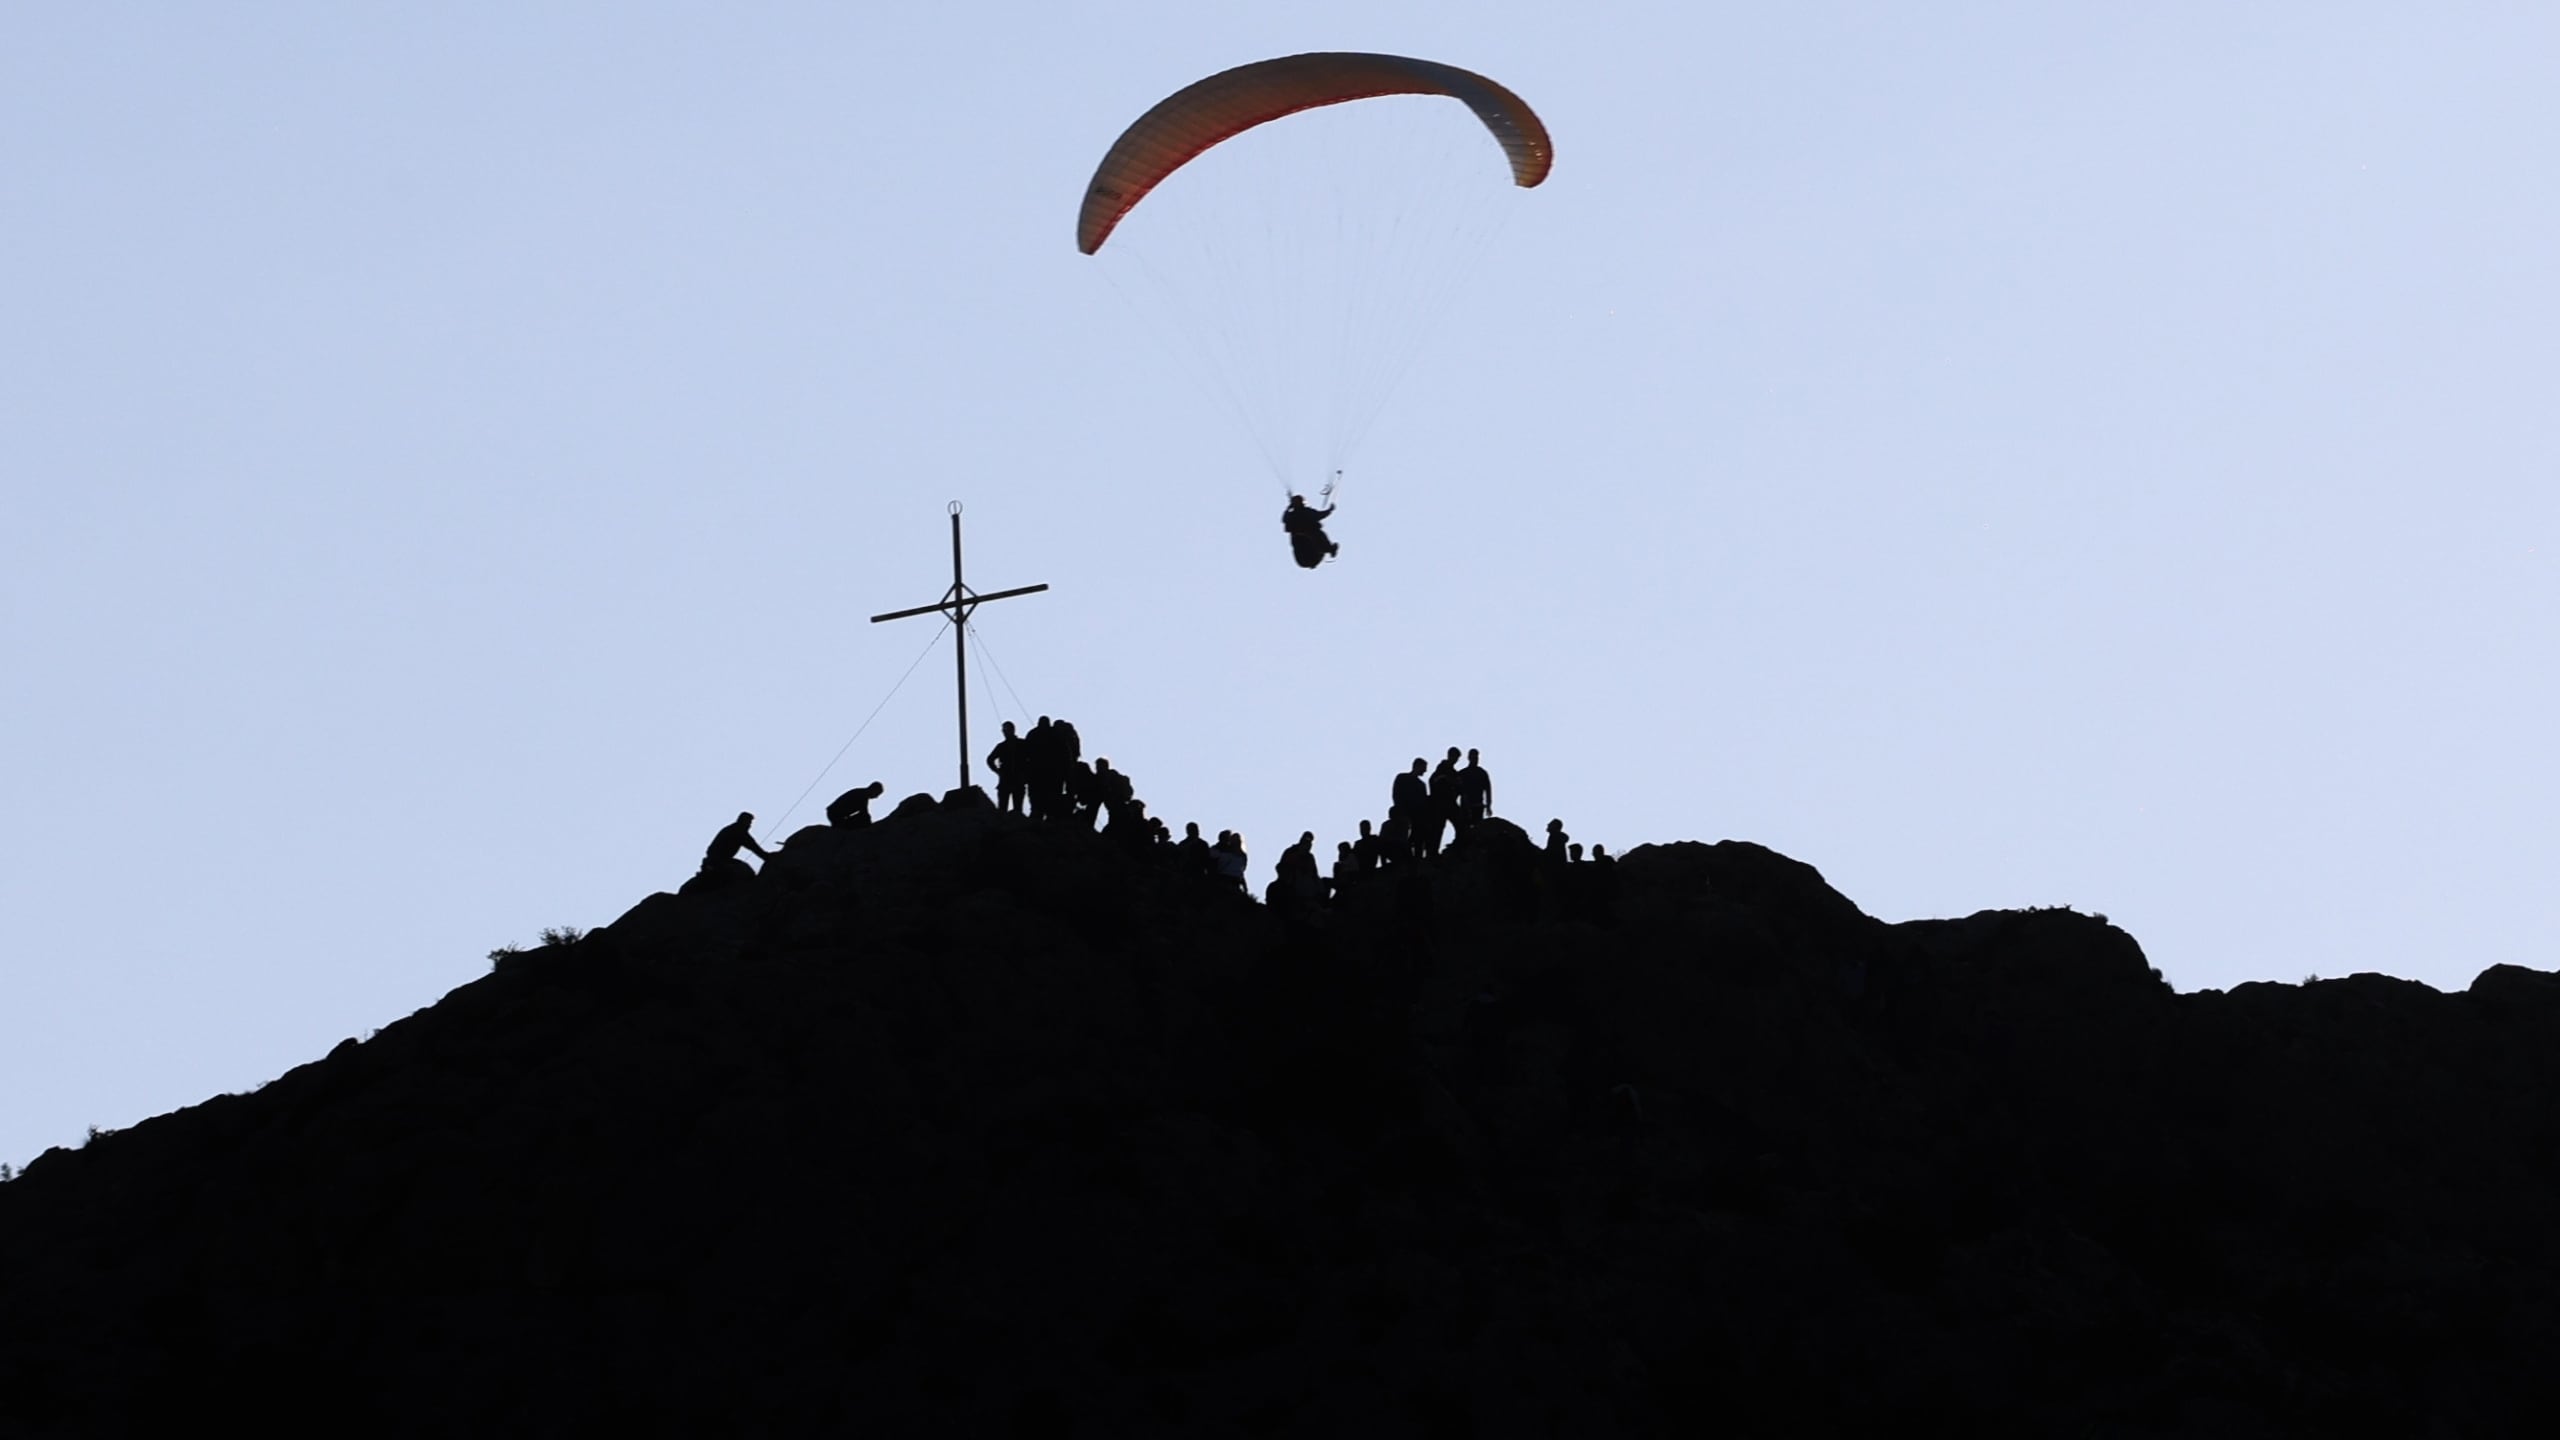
(965, 1125)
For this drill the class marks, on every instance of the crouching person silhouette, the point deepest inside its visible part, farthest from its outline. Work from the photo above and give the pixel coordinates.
(853, 807)
(720, 860)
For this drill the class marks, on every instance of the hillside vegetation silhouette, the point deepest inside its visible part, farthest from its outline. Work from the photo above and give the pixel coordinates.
(965, 1122)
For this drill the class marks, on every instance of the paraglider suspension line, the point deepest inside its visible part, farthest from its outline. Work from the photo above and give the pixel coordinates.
(1290, 492)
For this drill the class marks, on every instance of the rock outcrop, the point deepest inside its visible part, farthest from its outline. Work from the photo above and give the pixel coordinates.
(962, 1124)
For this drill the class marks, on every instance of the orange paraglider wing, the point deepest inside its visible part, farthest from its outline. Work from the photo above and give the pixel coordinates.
(1230, 102)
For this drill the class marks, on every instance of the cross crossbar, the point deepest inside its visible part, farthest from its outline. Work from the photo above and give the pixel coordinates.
(973, 601)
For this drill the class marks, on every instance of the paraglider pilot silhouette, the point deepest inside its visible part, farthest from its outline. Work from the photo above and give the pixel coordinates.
(1305, 525)
(1199, 117)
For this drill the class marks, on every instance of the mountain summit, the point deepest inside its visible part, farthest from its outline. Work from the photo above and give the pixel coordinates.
(961, 1123)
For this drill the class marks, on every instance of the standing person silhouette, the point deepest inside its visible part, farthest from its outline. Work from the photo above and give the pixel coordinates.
(1191, 852)
(1008, 779)
(1227, 859)
(1296, 876)
(1368, 852)
(1474, 788)
(1409, 805)
(1039, 765)
(1444, 801)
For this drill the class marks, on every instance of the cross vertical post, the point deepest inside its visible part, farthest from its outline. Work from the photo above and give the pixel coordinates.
(956, 605)
(960, 648)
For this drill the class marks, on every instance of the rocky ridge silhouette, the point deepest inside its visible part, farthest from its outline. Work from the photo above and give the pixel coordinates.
(964, 1124)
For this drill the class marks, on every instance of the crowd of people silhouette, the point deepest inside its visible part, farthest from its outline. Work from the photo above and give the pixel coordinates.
(1042, 775)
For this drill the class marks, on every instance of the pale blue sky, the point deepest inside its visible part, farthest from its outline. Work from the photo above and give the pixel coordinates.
(1999, 454)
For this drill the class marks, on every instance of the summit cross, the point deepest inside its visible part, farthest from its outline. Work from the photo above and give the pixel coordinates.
(956, 605)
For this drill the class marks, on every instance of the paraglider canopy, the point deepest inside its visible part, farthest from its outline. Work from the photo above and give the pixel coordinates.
(1230, 102)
